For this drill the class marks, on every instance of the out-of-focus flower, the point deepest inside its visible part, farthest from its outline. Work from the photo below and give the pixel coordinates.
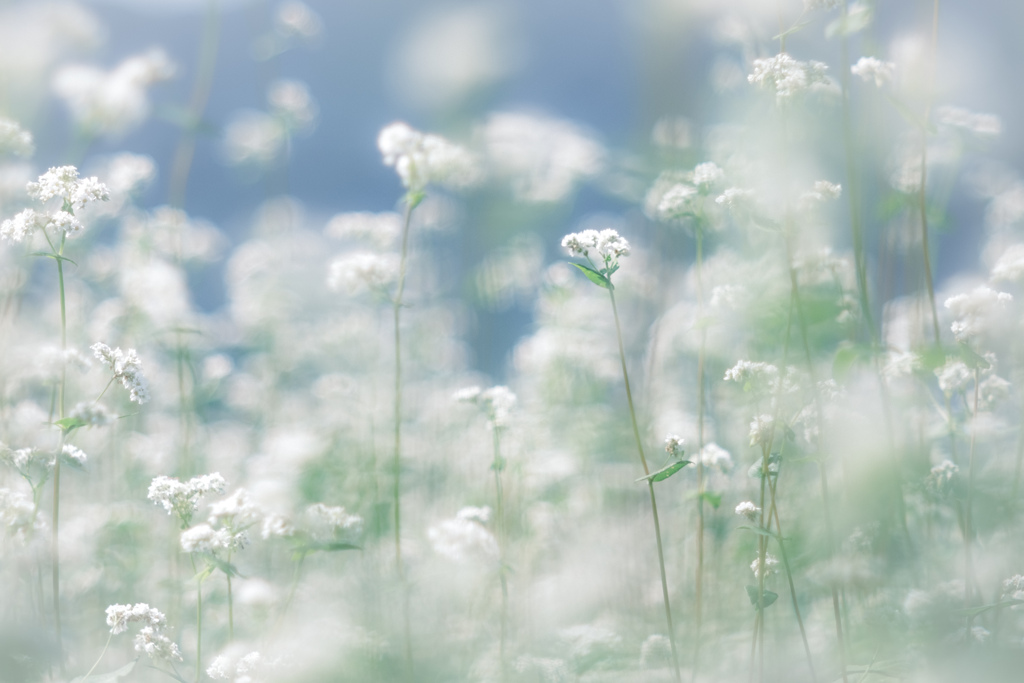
(954, 376)
(464, 538)
(14, 140)
(379, 229)
(788, 77)
(976, 311)
(496, 402)
(873, 69)
(253, 138)
(182, 498)
(747, 509)
(358, 271)
(543, 157)
(770, 562)
(111, 104)
(421, 159)
(982, 125)
(292, 102)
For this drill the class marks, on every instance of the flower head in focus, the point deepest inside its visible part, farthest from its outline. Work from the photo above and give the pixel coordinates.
(59, 182)
(605, 245)
(126, 367)
(788, 77)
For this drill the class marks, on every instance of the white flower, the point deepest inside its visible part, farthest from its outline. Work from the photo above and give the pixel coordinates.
(674, 446)
(253, 138)
(292, 102)
(823, 191)
(75, 454)
(769, 566)
(940, 480)
(735, 198)
(15, 140)
(464, 538)
(423, 159)
(982, 125)
(761, 429)
(747, 509)
(677, 201)
(156, 645)
(119, 616)
(714, 456)
(182, 498)
(22, 225)
(606, 244)
(496, 402)
(1010, 266)
(358, 271)
(761, 376)
(294, 18)
(873, 69)
(327, 523)
(204, 538)
(954, 376)
(787, 76)
(706, 175)
(379, 229)
(126, 367)
(975, 311)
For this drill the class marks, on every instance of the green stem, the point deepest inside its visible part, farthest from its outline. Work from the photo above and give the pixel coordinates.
(922, 199)
(61, 401)
(199, 619)
(968, 564)
(698, 606)
(185, 151)
(650, 488)
(497, 467)
(109, 636)
(410, 204)
(231, 606)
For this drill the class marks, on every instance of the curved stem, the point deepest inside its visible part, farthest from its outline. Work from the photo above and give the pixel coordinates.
(650, 488)
(100, 658)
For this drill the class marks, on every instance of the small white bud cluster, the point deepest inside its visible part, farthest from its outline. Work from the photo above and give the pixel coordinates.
(62, 182)
(150, 638)
(674, 446)
(873, 69)
(74, 454)
(770, 562)
(328, 523)
(363, 270)
(747, 509)
(182, 498)
(497, 402)
(423, 159)
(14, 139)
(465, 539)
(607, 244)
(787, 76)
(126, 367)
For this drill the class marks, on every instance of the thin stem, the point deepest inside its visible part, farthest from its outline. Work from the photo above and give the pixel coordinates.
(650, 488)
(410, 204)
(701, 358)
(922, 199)
(61, 400)
(199, 619)
(185, 151)
(497, 467)
(231, 606)
(98, 659)
(968, 564)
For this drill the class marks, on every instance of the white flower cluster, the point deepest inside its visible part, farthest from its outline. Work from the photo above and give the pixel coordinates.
(707, 175)
(715, 457)
(423, 159)
(62, 182)
(761, 430)
(150, 638)
(674, 445)
(497, 402)
(203, 538)
(1013, 587)
(292, 103)
(363, 270)
(17, 514)
(983, 125)
(182, 498)
(76, 455)
(126, 367)
(940, 480)
(464, 538)
(770, 562)
(246, 670)
(380, 229)
(237, 511)
(328, 523)
(787, 76)
(607, 244)
(823, 191)
(953, 376)
(1010, 265)
(28, 461)
(92, 414)
(873, 69)
(14, 139)
(747, 509)
(759, 376)
(975, 311)
(112, 103)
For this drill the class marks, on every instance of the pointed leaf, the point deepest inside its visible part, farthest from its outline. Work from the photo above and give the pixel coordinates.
(597, 278)
(109, 677)
(714, 499)
(328, 547)
(666, 472)
(769, 596)
(760, 531)
(975, 611)
(972, 358)
(69, 424)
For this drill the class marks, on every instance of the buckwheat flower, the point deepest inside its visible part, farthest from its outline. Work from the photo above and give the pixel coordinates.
(753, 374)
(900, 364)
(678, 201)
(982, 125)
(975, 311)
(715, 457)
(873, 69)
(707, 175)
(605, 244)
(1010, 265)
(276, 526)
(942, 478)
(18, 514)
(182, 498)
(158, 646)
(253, 138)
(75, 454)
(761, 429)
(204, 538)
(327, 523)
(22, 225)
(464, 538)
(953, 376)
(823, 191)
(788, 77)
(380, 229)
(674, 446)
(1013, 587)
(127, 368)
(423, 159)
(220, 669)
(467, 395)
(119, 616)
(360, 271)
(294, 18)
(992, 391)
(291, 101)
(237, 512)
(497, 402)
(747, 509)
(735, 198)
(770, 561)
(14, 140)
(65, 222)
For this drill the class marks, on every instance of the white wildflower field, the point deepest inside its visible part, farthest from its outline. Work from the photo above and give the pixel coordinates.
(728, 397)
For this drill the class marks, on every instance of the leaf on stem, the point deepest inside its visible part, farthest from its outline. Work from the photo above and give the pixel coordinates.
(70, 424)
(594, 276)
(712, 498)
(760, 531)
(769, 597)
(665, 472)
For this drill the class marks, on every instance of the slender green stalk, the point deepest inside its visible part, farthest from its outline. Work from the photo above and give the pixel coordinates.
(922, 199)
(502, 540)
(968, 564)
(701, 358)
(231, 606)
(100, 658)
(186, 149)
(199, 620)
(61, 400)
(650, 488)
(410, 204)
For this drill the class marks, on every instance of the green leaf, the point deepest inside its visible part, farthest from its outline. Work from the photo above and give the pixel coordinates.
(932, 357)
(846, 357)
(714, 499)
(69, 424)
(594, 276)
(769, 596)
(55, 257)
(666, 471)
(792, 29)
(760, 531)
(975, 611)
(110, 677)
(853, 22)
(499, 464)
(972, 358)
(327, 547)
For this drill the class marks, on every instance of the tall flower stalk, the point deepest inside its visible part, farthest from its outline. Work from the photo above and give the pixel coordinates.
(608, 246)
